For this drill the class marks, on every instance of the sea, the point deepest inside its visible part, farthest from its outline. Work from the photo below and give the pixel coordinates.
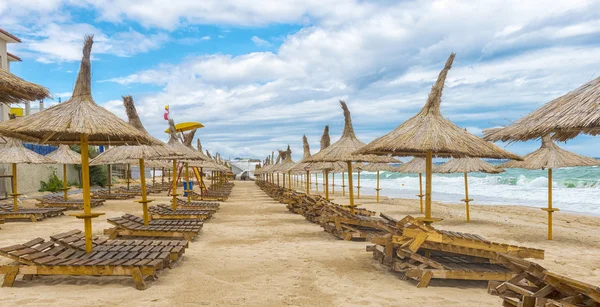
(575, 189)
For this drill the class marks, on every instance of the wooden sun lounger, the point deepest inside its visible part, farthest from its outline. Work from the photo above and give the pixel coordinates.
(133, 226)
(533, 285)
(197, 205)
(338, 221)
(198, 196)
(38, 257)
(25, 214)
(103, 194)
(164, 212)
(60, 202)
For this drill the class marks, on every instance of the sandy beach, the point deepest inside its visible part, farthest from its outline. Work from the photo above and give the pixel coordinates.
(256, 253)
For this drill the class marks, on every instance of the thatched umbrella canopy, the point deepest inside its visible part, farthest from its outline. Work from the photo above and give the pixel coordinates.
(468, 165)
(15, 153)
(428, 133)
(64, 155)
(551, 156)
(344, 151)
(286, 166)
(78, 120)
(14, 89)
(567, 116)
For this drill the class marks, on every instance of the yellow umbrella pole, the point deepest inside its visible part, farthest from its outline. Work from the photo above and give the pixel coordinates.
(326, 184)
(358, 186)
(428, 174)
(308, 182)
(201, 182)
(144, 200)
(153, 176)
(332, 181)
(65, 184)
(550, 210)
(15, 193)
(377, 189)
(316, 183)
(162, 175)
(128, 170)
(467, 199)
(343, 185)
(87, 214)
(421, 191)
(277, 178)
(174, 188)
(109, 178)
(350, 187)
(290, 180)
(283, 180)
(189, 188)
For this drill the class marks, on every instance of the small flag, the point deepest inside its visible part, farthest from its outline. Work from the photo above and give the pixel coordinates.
(166, 116)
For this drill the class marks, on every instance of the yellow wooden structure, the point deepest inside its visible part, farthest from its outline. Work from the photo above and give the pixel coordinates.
(550, 209)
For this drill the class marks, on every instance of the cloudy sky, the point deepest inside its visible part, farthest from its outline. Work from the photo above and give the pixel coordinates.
(261, 73)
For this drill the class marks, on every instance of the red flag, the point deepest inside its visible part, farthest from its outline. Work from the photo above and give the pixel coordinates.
(166, 116)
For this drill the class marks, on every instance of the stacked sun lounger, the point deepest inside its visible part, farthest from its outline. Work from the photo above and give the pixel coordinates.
(103, 194)
(165, 212)
(7, 213)
(56, 201)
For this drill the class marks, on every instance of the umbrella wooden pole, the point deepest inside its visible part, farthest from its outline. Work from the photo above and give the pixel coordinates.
(153, 175)
(144, 200)
(326, 184)
(188, 191)
(284, 180)
(358, 186)
(421, 191)
(350, 187)
(467, 199)
(162, 175)
(174, 188)
(308, 182)
(343, 185)
(128, 171)
(201, 182)
(316, 183)
(278, 179)
(377, 189)
(290, 180)
(550, 210)
(15, 192)
(428, 174)
(65, 184)
(333, 183)
(87, 214)
(109, 185)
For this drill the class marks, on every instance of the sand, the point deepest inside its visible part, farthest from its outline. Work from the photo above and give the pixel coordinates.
(255, 253)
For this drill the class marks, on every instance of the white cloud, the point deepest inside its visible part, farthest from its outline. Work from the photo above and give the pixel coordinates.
(260, 42)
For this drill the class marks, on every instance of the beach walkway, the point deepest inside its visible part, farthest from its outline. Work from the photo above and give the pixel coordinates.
(252, 253)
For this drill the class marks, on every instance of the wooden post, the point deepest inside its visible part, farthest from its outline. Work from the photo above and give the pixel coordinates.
(144, 200)
(174, 187)
(128, 171)
(187, 178)
(162, 176)
(316, 183)
(333, 182)
(421, 191)
(550, 209)
(327, 184)
(466, 200)
(377, 189)
(201, 182)
(66, 185)
(350, 187)
(307, 182)
(358, 185)
(283, 180)
(15, 192)
(277, 178)
(109, 178)
(153, 176)
(343, 185)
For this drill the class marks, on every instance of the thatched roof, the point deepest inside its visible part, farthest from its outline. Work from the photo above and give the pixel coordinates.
(64, 155)
(66, 122)
(118, 154)
(15, 152)
(287, 164)
(575, 112)
(343, 150)
(14, 89)
(551, 156)
(428, 130)
(415, 166)
(468, 165)
(373, 167)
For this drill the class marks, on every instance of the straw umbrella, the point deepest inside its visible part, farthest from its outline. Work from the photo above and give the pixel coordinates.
(377, 167)
(550, 156)
(343, 151)
(15, 153)
(14, 89)
(286, 167)
(303, 165)
(78, 120)
(428, 133)
(567, 116)
(64, 155)
(468, 165)
(136, 153)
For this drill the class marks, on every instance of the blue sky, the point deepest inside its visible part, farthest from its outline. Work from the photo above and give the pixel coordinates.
(260, 74)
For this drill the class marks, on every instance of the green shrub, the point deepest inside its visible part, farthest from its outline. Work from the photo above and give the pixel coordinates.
(53, 185)
(98, 173)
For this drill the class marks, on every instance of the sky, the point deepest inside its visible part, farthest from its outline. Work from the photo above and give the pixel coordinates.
(260, 74)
